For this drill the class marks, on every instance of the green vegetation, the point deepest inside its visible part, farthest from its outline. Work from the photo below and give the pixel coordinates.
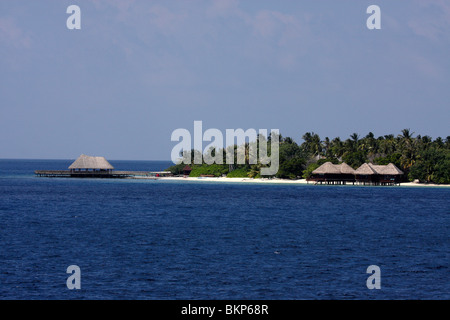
(176, 169)
(432, 165)
(421, 158)
(216, 170)
(308, 172)
(239, 173)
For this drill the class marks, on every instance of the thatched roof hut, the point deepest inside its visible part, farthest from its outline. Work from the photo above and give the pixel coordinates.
(187, 170)
(327, 168)
(346, 169)
(378, 174)
(330, 168)
(373, 169)
(333, 173)
(389, 169)
(367, 173)
(366, 169)
(85, 162)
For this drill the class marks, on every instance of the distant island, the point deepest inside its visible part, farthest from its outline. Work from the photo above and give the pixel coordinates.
(420, 158)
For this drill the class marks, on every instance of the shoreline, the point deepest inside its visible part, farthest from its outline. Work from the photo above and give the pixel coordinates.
(274, 181)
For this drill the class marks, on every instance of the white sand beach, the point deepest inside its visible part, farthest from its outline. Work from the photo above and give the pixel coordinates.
(275, 181)
(235, 180)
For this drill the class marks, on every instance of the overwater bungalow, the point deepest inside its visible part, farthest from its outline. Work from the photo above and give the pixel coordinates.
(88, 163)
(372, 174)
(91, 167)
(330, 173)
(366, 174)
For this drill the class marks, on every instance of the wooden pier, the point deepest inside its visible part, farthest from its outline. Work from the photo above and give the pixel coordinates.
(92, 174)
(317, 181)
(330, 181)
(97, 167)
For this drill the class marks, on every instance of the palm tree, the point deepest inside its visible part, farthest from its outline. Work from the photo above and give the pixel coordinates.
(370, 144)
(406, 139)
(337, 147)
(447, 142)
(288, 140)
(387, 146)
(370, 135)
(438, 142)
(327, 148)
(351, 145)
(406, 134)
(312, 143)
(355, 137)
(316, 145)
(408, 148)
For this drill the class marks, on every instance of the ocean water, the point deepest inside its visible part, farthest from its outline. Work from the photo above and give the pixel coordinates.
(144, 239)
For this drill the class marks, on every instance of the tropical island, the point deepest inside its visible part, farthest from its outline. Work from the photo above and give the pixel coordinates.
(419, 158)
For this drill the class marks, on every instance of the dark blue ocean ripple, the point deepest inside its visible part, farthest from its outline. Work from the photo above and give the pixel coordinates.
(136, 239)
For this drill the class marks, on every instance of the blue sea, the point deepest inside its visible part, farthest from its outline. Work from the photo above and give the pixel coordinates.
(147, 239)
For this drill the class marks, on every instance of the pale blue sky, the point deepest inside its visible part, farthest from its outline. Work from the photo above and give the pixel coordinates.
(137, 70)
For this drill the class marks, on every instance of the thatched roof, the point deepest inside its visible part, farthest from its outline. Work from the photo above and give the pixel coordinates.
(329, 168)
(366, 169)
(187, 168)
(370, 169)
(346, 169)
(88, 162)
(389, 169)
(393, 168)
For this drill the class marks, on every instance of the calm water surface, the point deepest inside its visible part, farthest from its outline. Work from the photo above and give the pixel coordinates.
(137, 239)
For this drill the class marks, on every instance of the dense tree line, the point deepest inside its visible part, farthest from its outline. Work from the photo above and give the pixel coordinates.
(420, 157)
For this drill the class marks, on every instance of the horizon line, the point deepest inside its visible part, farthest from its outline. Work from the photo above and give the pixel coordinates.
(75, 159)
